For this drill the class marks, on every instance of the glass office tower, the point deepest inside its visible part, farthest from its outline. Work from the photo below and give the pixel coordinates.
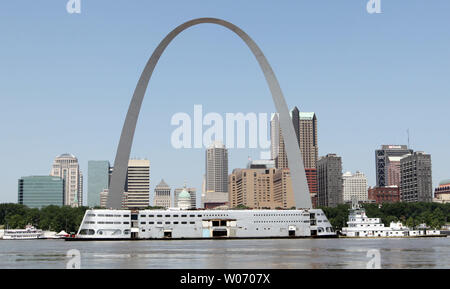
(41, 191)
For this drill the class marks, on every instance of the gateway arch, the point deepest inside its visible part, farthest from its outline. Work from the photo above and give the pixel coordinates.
(297, 171)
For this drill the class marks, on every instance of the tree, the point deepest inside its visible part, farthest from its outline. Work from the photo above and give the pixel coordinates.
(410, 223)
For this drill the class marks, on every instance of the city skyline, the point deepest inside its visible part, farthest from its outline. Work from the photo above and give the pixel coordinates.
(94, 136)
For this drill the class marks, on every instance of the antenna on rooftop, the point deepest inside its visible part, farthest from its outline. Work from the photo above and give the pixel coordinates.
(407, 131)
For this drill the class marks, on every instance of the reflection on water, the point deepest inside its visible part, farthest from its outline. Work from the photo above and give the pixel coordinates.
(270, 254)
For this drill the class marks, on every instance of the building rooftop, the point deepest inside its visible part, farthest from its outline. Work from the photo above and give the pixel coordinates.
(162, 184)
(444, 182)
(307, 115)
(217, 144)
(66, 155)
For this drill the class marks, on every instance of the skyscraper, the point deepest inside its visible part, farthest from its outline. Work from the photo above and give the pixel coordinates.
(329, 178)
(216, 168)
(305, 127)
(41, 191)
(137, 189)
(66, 167)
(416, 181)
(163, 196)
(308, 138)
(98, 181)
(389, 153)
(355, 185)
(216, 176)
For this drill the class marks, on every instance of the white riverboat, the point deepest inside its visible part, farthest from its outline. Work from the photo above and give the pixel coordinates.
(28, 233)
(361, 226)
(202, 224)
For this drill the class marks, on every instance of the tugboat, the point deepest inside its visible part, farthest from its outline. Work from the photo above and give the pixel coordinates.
(361, 226)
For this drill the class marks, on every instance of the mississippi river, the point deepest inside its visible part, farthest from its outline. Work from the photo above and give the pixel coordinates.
(229, 254)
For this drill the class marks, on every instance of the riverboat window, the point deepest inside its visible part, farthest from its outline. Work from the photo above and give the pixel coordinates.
(151, 216)
(192, 222)
(143, 216)
(91, 215)
(160, 223)
(126, 223)
(159, 216)
(142, 223)
(134, 217)
(175, 216)
(87, 232)
(168, 223)
(199, 216)
(126, 216)
(191, 216)
(183, 216)
(175, 223)
(167, 216)
(184, 223)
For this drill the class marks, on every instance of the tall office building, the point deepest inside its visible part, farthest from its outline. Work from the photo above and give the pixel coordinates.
(305, 127)
(387, 160)
(416, 181)
(191, 191)
(216, 168)
(163, 196)
(41, 191)
(329, 179)
(98, 181)
(66, 167)
(354, 185)
(393, 171)
(137, 190)
(278, 151)
(308, 139)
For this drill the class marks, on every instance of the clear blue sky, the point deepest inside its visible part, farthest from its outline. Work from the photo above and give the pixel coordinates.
(66, 80)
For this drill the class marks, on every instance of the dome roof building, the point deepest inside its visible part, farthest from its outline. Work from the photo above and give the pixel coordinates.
(184, 199)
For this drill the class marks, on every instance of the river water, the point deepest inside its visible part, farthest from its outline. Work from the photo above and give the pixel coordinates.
(229, 254)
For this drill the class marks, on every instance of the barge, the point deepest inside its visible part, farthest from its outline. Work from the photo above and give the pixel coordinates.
(105, 224)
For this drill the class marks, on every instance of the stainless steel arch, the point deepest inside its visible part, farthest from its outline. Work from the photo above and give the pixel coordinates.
(299, 183)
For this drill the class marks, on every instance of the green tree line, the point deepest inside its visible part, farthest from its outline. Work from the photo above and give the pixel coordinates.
(52, 218)
(435, 215)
